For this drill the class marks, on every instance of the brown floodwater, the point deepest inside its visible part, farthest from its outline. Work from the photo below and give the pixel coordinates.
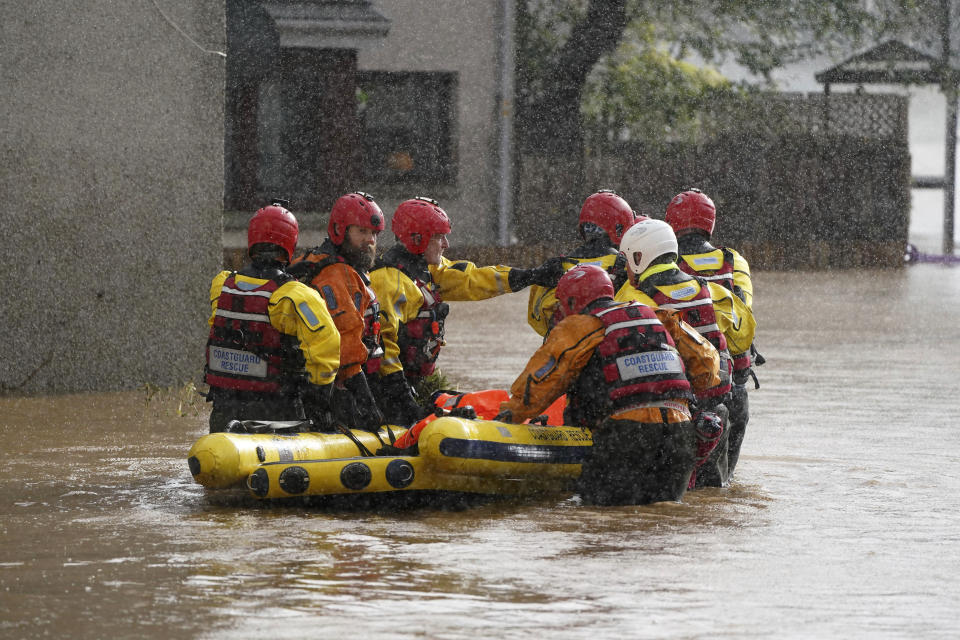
(843, 519)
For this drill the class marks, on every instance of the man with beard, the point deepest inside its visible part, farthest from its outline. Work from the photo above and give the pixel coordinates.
(338, 269)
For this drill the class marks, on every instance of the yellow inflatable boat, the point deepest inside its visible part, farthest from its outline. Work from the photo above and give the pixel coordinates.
(455, 454)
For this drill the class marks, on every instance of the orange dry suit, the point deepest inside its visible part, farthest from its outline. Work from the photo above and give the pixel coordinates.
(271, 337)
(621, 360)
(352, 304)
(628, 371)
(542, 302)
(412, 295)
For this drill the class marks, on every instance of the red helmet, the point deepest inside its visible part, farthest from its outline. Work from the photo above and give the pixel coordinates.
(273, 225)
(692, 209)
(357, 208)
(580, 286)
(608, 211)
(415, 221)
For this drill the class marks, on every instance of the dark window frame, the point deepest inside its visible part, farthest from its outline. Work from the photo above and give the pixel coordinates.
(420, 147)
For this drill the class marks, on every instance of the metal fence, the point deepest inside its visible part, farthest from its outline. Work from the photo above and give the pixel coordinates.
(800, 181)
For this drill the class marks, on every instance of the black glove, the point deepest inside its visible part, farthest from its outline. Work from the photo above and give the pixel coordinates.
(618, 272)
(466, 411)
(546, 275)
(396, 401)
(366, 414)
(300, 270)
(316, 405)
(504, 416)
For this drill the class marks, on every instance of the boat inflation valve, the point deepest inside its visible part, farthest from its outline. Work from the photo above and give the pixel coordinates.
(356, 476)
(294, 480)
(399, 474)
(259, 483)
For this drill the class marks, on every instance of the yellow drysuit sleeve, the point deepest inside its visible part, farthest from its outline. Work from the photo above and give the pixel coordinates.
(734, 318)
(462, 280)
(298, 310)
(400, 301)
(215, 288)
(741, 277)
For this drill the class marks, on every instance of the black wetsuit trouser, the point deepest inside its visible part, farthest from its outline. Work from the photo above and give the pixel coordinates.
(715, 471)
(739, 407)
(638, 463)
(248, 405)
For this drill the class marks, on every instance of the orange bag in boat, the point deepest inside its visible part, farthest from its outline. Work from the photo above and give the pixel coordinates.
(486, 403)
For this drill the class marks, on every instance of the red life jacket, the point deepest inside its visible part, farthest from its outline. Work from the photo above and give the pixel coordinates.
(244, 351)
(638, 366)
(722, 276)
(420, 339)
(328, 255)
(699, 313)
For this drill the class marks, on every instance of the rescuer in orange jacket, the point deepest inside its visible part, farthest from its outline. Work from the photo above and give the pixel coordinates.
(604, 218)
(692, 214)
(273, 350)
(338, 269)
(414, 281)
(630, 373)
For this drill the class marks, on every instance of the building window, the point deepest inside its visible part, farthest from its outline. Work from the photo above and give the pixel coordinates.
(407, 123)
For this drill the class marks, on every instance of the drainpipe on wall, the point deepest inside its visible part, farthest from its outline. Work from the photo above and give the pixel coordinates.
(950, 90)
(505, 64)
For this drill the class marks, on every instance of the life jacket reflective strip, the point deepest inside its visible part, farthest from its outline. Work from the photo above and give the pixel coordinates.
(244, 350)
(699, 313)
(420, 339)
(696, 311)
(714, 266)
(371, 315)
(638, 359)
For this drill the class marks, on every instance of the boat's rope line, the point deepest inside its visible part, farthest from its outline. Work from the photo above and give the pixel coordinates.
(363, 449)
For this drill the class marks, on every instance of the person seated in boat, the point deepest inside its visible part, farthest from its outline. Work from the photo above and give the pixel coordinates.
(339, 270)
(413, 281)
(650, 248)
(273, 347)
(604, 218)
(692, 215)
(630, 373)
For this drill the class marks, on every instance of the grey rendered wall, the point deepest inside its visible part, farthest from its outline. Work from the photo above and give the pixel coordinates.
(459, 36)
(111, 188)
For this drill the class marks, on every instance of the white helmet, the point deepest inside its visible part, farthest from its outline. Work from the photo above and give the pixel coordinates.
(646, 241)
